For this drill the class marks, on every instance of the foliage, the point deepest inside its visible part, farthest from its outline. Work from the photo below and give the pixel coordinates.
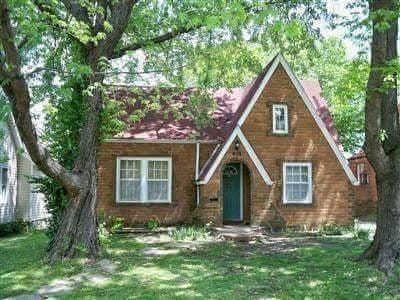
(13, 227)
(116, 223)
(343, 82)
(153, 223)
(102, 229)
(200, 43)
(190, 233)
(56, 202)
(332, 229)
(320, 269)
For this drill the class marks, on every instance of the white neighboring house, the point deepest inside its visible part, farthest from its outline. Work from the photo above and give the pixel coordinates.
(18, 197)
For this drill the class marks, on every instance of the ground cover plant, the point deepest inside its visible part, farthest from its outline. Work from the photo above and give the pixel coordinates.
(156, 266)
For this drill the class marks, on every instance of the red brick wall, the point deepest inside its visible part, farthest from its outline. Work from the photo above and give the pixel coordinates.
(183, 189)
(365, 194)
(333, 194)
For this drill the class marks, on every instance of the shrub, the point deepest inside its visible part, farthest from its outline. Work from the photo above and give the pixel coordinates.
(102, 229)
(14, 227)
(153, 223)
(116, 223)
(190, 233)
(331, 229)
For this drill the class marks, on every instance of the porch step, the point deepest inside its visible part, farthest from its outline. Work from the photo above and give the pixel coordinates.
(239, 233)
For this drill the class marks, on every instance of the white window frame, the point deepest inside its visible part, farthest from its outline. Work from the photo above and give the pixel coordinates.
(285, 113)
(308, 200)
(144, 178)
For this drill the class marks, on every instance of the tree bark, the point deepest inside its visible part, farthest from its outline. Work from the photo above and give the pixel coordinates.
(385, 248)
(382, 135)
(77, 232)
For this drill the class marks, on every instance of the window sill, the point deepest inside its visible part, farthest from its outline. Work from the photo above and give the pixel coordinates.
(142, 203)
(294, 204)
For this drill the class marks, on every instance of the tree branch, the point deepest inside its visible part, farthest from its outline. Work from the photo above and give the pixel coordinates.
(16, 89)
(183, 30)
(157, 40)
(76, 10)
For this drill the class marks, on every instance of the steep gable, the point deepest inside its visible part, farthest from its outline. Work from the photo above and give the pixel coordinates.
(311, 132)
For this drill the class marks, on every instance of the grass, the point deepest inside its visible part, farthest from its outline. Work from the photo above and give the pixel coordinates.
(322, 268)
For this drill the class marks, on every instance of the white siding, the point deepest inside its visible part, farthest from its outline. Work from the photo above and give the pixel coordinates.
(23, 201)
(8, 208)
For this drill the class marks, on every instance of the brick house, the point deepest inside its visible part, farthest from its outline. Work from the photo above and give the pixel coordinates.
(366, 196)
(272, 154)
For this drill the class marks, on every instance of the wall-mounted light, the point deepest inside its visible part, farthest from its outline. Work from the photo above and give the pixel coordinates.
(237, 144)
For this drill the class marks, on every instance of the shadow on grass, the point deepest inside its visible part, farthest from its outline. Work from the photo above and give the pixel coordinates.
(284, 268)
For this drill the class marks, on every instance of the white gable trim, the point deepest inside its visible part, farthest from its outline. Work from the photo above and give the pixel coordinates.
(281, 60)
(317, 118)
(257, 94)
(237, 132)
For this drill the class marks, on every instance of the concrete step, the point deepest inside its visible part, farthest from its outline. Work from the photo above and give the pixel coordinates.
(239, 233)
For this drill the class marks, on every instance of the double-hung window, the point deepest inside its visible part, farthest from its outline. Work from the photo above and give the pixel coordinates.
(144, 179)
(297, 183)
(280, 119)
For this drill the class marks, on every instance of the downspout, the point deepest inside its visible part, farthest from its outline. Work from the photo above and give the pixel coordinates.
(197, 174)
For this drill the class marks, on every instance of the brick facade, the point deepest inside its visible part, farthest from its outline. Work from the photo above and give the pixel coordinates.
(183, 188)
(333, 193)
(365, 194)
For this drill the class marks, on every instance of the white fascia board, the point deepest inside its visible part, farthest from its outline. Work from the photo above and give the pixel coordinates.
(318, 120)
(254, 158)
(257, 94)
(281, 60)
(237, 132)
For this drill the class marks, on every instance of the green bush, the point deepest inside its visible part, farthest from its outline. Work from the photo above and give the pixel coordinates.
(190, 233)
(14, 227)
(102, 231)
(116, 223)
(153, 224)
(331, 229)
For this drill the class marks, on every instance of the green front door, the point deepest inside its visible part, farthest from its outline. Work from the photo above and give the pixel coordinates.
(232, 192)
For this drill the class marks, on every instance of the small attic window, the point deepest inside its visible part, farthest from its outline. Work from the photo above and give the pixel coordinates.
(280, 118)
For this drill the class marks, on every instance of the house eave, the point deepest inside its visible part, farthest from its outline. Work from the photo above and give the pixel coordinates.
(160, 141)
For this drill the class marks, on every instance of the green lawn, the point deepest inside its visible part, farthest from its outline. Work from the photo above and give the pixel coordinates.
(321, 268)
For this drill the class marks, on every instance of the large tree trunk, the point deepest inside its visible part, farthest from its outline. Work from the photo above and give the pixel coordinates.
(382, 134)
(385, 248)
(78, 229)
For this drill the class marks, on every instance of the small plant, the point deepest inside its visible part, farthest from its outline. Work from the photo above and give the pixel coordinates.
(331, 229)
(358, 232)
(116, 223)
(102, 229)
(14, 227)
(190, 233)
(153, 224)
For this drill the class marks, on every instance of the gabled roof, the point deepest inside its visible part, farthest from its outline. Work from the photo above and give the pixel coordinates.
(233, 107)
(260, 83)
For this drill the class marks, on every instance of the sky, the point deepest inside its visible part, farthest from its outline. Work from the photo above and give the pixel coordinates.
(340, 7)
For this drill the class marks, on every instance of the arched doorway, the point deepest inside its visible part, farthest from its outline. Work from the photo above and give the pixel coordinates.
(236, 193)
